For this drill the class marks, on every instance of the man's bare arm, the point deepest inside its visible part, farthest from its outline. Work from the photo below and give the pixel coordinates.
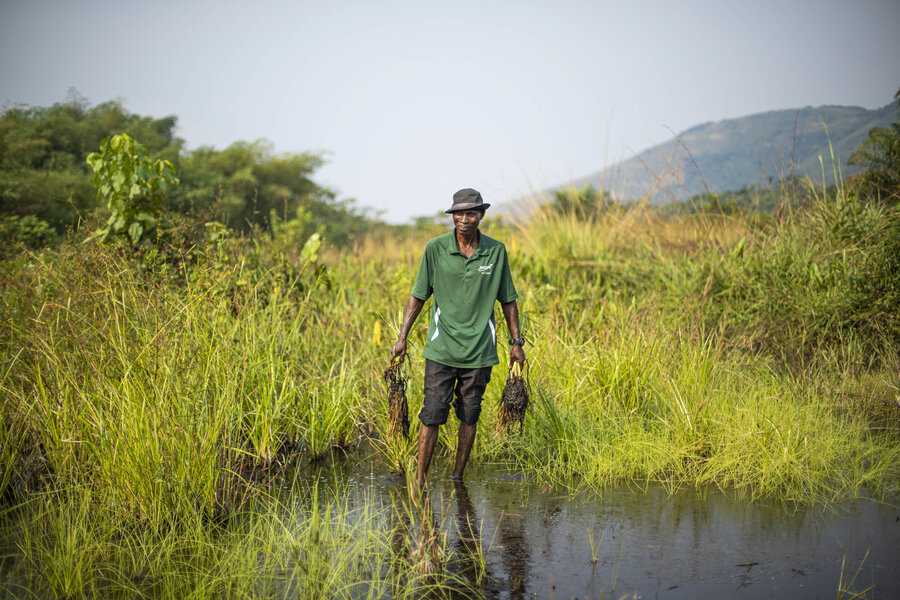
(511, 313)
(413, 308)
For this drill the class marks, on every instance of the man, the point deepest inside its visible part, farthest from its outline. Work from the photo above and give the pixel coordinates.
(467, 272)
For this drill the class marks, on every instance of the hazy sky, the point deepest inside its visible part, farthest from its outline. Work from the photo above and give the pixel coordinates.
(414, 100)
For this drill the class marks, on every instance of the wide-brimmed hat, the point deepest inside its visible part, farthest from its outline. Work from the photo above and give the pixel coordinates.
(467, 199)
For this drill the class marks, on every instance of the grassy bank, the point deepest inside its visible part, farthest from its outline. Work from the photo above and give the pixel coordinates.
(732, 350)
(167, 395)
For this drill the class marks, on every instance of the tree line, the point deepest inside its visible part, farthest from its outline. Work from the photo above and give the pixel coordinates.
(45, 181)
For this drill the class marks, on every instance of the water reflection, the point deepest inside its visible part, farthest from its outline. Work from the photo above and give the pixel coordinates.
(469, 549)
(514, 551)
(497, 536)
(439, 534)
(416, 539)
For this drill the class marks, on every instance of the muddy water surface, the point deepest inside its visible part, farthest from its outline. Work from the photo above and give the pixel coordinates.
(540, 543)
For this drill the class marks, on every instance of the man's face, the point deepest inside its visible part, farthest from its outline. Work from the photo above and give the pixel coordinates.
(466, 221)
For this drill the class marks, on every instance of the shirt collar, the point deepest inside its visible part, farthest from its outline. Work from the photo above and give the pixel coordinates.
(454, 244)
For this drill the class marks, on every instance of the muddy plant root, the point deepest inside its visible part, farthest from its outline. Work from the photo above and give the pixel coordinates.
(398, 407)
(513, 401)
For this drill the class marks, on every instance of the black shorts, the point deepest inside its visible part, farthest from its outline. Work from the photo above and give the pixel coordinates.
(442, 382)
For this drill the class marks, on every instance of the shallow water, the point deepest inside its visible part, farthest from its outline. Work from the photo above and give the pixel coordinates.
(648, 543)
(507, 538)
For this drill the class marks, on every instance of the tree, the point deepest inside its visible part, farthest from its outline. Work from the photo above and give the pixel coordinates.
(584, 202)
(879, 156)
(44, 173)
(246, 181)
(133, 186)
(42, 154)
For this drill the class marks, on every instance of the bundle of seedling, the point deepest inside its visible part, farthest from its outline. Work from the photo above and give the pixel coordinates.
(514, 400)
(398, 407)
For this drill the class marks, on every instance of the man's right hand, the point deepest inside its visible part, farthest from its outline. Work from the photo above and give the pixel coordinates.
(398, 350)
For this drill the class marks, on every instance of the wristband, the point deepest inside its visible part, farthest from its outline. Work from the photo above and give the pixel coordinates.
(517, 341)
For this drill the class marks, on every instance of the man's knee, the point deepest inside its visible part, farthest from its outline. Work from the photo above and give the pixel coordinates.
(468, 413)
(434, 411)
(470, 393)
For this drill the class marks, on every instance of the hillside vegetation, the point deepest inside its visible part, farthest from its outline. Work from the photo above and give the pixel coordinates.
(757, 150)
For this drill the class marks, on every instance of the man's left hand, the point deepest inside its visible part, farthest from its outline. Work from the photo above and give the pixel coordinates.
(516, 354)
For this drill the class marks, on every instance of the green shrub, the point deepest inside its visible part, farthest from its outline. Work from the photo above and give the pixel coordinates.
(28, 231)
(133, 186)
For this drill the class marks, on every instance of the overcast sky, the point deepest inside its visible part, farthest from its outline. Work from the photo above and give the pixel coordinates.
(414, 100)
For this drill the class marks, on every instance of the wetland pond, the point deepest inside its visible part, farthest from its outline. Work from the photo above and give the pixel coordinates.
(647, 543)
(496, 536)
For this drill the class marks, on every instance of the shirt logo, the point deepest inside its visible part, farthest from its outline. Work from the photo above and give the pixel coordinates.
(486, 269)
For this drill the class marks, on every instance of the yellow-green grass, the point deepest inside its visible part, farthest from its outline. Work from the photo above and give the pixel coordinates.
(727, 350)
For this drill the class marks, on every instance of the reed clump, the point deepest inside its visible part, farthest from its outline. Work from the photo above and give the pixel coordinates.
(158, 394)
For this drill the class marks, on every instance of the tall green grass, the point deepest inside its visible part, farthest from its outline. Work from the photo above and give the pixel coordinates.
(170, 395)
(714, 349)
(165, 398)
(174, 387)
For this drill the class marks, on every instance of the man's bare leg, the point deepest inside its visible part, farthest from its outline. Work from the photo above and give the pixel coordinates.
(428, 435)
(463, 447)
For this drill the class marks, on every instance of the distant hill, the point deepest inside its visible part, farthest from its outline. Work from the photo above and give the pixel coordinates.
(733, 153)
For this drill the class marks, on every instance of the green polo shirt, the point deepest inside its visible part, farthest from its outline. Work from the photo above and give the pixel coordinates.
(462, 332)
